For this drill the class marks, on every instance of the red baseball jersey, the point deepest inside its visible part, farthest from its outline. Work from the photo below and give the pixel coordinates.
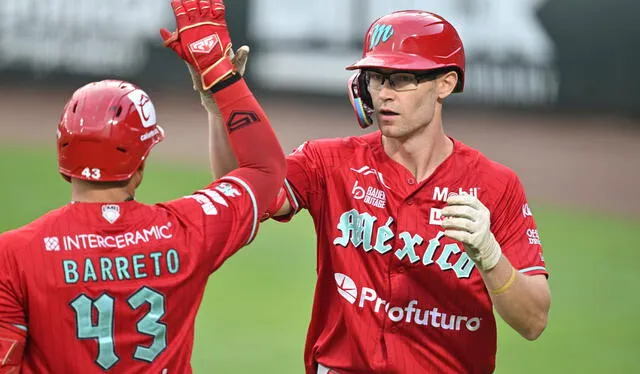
(116, 287)
(393, 294)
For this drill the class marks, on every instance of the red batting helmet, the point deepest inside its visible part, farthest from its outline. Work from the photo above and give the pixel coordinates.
(106, 131)
(407, 40)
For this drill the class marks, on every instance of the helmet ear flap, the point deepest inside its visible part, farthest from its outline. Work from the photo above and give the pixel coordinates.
(360, 99)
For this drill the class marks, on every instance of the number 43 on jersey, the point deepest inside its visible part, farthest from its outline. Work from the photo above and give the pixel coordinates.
(102, 330)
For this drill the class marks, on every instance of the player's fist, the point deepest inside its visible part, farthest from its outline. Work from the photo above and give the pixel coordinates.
(468, 221)
(202, 39)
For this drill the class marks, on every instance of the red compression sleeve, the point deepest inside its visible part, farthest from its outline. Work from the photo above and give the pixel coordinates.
(261, 161)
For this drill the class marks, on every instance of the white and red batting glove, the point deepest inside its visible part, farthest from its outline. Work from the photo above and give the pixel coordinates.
(468, 221)
(239, 61)
(202, 39)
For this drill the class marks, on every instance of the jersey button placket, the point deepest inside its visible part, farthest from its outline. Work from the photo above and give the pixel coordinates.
(411, 182)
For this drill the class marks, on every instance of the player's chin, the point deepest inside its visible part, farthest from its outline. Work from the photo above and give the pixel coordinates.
(391, 130)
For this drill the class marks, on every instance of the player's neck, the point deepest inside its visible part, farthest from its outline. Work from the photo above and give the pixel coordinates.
(422, 152)
(83, 193)
(111, 196)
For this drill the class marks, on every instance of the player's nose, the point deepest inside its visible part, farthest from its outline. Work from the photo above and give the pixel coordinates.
(386, 92)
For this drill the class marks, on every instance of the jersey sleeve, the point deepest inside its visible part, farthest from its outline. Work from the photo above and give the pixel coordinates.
(304, 179)
(12, 311)
(515, 230)
(223, 215)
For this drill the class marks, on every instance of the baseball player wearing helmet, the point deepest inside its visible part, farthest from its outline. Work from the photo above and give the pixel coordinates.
(108, 284)
(419, 235)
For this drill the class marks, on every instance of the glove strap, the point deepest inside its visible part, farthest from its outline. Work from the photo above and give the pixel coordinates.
(225, 83)
(217, 72)
(488, 258)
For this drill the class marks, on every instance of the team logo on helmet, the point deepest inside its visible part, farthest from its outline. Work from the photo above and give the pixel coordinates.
(381, 33)
(144, 106)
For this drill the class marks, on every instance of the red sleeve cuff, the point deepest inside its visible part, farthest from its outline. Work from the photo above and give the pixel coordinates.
(12, 342)
(293, 201)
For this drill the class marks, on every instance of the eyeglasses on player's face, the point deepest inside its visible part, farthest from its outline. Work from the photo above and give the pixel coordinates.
(399, 81)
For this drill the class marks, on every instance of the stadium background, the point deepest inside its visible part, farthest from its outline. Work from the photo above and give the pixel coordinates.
(551, 92)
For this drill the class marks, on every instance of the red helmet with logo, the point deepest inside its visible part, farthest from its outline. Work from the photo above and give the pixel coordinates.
(106, 131)
(408, 40)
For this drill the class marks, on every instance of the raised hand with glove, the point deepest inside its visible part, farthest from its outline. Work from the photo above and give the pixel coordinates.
(239, 61)
(202, 39)
(468, 221)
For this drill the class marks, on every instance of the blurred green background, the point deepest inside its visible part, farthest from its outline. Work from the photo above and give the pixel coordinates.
(257, 306)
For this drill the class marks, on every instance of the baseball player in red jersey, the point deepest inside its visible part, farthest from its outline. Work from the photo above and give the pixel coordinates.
(419, 236)
(108, 284)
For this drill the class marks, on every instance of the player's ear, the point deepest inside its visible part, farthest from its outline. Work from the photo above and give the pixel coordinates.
(446, 83)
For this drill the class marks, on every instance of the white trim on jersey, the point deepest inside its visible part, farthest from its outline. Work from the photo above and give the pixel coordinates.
(253, 200)
(323, 369)
(215, 197)
(295, 205)
(534, 268)
(21, 327)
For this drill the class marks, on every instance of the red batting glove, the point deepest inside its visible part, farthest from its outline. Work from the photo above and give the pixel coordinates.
(202, 39)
